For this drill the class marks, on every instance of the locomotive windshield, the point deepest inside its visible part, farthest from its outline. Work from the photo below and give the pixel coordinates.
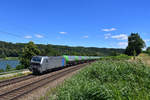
(36, 59)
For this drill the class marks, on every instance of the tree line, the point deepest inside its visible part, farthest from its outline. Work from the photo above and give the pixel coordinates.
(8, 49)
(135, 45)
(25, 51)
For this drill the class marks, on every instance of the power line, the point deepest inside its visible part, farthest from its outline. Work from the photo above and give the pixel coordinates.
(12, 34)
(15, 35)
(45, 37)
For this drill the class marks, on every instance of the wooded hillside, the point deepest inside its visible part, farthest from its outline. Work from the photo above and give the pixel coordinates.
(8, 49)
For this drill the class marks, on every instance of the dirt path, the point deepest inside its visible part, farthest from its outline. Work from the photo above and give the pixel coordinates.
(145, 58)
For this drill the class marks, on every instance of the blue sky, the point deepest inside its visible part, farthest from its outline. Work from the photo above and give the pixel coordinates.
(89, 23)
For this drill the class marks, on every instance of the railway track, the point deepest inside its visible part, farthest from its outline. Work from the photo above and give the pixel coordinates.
(26, 88)
(15, 80)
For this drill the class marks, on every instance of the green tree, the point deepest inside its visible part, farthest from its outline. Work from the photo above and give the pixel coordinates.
(1, 70)
(135, 45)
(8, 68)
(114, 53)
(3, 55)
(49, 51)
(148, 50)
(29, 51)
(19, 67)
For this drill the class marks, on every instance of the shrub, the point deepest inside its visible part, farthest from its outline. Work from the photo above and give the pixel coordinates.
(8, 68)
(119, 57)
(1, 70)
(19, 67)
(108, 80)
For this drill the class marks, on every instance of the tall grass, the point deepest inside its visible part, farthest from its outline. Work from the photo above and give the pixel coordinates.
(108, 80)
(119, 57)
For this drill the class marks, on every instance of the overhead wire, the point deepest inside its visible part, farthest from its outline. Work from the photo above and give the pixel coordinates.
(44, 37)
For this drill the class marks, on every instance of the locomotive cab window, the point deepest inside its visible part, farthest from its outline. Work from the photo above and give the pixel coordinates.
(36, 59)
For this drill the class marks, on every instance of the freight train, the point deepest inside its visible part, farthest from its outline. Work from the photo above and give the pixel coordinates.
(41, 64)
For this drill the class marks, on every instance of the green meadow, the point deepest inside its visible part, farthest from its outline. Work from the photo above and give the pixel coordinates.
(108, 79)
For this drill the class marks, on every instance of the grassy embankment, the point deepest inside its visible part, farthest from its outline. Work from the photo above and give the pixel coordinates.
(19, 74)
(10, 58)
(145, 58)
(108, 80)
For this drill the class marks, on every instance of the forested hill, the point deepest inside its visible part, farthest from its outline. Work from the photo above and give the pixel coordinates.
(15, 49)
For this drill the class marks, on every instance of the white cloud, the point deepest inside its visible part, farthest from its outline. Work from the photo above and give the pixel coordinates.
(108, 30)
(147, 40)
(86, 36)
(28, 37)
(120, 37)
(38, 36)
(107, 35)
(63, 32)
(122, 44)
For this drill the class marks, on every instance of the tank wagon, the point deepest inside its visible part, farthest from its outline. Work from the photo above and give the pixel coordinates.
(40, 64)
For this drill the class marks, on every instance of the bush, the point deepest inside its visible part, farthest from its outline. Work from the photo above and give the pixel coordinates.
(8, 68)
(1, 70)
(119, 57)
(108, 80)
(19, 67)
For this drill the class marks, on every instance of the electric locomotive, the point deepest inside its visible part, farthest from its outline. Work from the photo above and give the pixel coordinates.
(40, 64)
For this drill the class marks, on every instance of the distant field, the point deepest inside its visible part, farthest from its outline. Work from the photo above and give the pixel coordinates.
(108, 80)
(11, 58)
(145, 58)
